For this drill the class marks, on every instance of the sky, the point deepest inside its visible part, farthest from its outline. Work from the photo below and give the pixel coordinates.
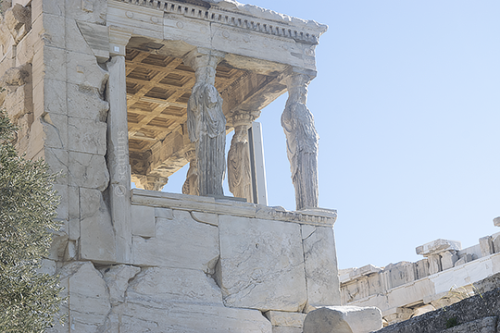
(407, 106)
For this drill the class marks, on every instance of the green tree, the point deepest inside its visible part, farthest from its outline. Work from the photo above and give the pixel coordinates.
(28, 300)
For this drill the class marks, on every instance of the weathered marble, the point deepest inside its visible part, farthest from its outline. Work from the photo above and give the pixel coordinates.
(286, 319)
(360, 319)
(302, 142)
(88, 305)
(143, 221)
(180, 242)
(191, 299)
(117, 279)
(206, 122)
(320, 260)
(406, 289)
(239, 169)
(261, 263)
(326, 321)
(437, 246)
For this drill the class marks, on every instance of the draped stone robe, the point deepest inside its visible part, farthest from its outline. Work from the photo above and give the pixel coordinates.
(302, 147)
(206, 125)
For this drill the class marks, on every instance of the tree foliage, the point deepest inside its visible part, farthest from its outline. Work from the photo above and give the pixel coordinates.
(28, 300)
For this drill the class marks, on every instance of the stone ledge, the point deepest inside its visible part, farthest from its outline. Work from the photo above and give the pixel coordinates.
(319, 217)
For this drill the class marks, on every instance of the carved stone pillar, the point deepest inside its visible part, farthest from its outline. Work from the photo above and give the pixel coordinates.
(117, 151)
(191, 184)
(301, 141)
(206, 122)
(239, 173)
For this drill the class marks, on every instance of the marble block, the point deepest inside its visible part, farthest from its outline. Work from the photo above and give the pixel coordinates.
(262, 264)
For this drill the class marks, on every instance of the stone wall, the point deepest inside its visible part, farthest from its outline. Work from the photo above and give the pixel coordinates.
(475, 314)
(201, 264)
(406, 289)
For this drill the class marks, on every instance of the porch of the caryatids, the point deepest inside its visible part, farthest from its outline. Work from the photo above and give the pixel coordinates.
(239, 169)
(206, 122)
(301, 141)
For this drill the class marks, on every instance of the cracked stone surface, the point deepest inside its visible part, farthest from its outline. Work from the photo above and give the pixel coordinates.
(262, 264)
(88, 299)
(180, 242)
(323, 286)
(118, 278)
(161, 299)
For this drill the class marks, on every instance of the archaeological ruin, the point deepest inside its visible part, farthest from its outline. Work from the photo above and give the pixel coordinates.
(120, 91)
(448, 274)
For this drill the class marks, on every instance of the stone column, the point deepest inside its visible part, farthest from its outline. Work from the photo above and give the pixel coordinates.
(239, 170)
(206, 122)
(117, 153)
(301, 141)
(191, 184)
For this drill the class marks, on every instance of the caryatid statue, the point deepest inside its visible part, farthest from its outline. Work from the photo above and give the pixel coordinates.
(206, 122)
(239, 173)
(301, 142)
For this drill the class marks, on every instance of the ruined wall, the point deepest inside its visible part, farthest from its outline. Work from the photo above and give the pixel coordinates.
(55, 93)
(201, 264)
(407, 289)
(475, 314)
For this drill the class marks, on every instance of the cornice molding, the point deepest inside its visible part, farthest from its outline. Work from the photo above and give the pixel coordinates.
(236, 15)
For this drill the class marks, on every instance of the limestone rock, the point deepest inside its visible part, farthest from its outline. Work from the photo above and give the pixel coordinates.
(181, 243)
(261, 262)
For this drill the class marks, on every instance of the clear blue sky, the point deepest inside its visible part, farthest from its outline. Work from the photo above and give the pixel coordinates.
(407, 105)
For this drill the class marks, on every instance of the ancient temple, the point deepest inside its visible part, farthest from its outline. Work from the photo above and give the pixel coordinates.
(120, 91)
